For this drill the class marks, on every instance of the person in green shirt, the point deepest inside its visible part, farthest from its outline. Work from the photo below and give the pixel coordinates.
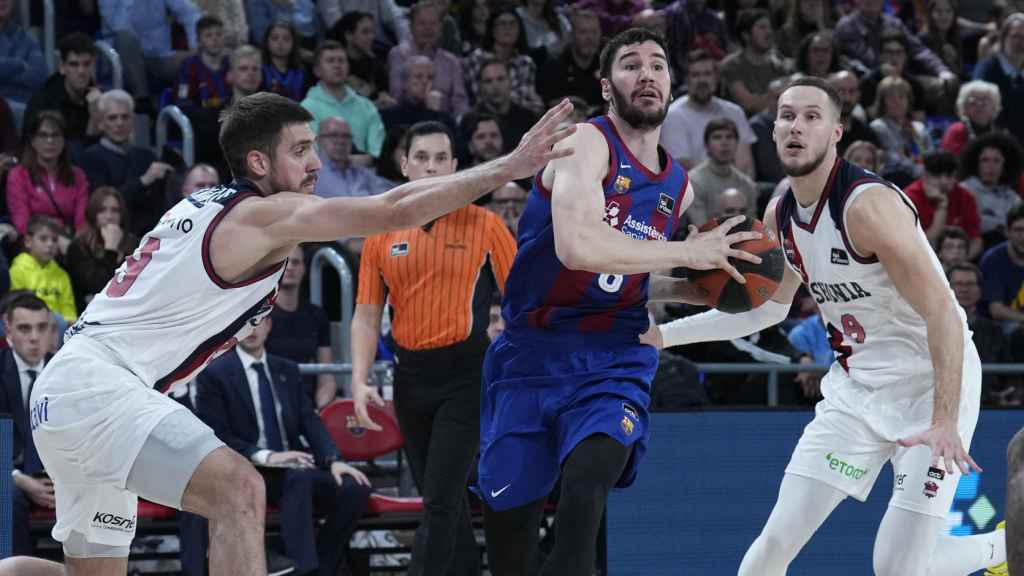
(36, 270)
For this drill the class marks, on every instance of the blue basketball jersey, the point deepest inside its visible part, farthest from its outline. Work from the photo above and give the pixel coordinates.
(541, 293)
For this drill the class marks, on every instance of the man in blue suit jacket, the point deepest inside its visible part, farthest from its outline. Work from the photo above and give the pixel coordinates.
(234, 397)
(29, 328)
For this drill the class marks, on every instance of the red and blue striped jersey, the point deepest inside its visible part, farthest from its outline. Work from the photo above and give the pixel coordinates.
(541, 293)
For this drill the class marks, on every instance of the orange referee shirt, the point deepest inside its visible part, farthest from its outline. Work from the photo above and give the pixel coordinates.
(439, 280)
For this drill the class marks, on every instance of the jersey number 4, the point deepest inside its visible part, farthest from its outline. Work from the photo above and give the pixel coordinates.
(852, 330)
(132, 267)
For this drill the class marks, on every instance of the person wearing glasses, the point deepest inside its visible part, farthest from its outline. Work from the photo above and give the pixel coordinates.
(339, 176)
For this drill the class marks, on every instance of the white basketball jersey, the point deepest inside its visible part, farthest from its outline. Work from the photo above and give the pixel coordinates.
(877, 337)
(166, 314)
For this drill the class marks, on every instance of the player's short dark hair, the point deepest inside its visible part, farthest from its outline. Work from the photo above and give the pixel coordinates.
(41, 222)
(1015, 213)
(26, 299)
(326, 46)
(821, 84)
(746, 19)
(965, 267)
(255, 123)
(940, 163)
(426, 129)
(628, 38)
(950, 232)
(207, 22)
(721, 123)
(76, 43)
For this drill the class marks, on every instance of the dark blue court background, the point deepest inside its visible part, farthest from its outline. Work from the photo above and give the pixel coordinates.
(710, 479)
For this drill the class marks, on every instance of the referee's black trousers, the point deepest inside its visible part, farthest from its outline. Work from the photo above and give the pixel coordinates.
(437, 401)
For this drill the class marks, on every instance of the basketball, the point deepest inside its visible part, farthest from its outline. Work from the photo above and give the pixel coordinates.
(728, 295)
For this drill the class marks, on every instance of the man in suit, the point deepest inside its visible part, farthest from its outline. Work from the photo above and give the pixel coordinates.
(29, 330)
(256, 405)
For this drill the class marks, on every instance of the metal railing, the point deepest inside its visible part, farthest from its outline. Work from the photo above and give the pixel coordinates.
(174, 113)
(328, 256)
(49, 29)
(116, 69)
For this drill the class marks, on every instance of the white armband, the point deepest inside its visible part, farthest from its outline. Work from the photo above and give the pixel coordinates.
(715, 325)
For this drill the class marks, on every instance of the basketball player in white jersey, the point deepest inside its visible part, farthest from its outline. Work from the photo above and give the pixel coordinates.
(905, 386)
(196, 285)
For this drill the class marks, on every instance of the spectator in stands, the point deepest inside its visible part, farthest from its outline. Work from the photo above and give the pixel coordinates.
(547, 29)
(46, 183)
(575, 71)
(682, 134)
(481, 133)
(990, 168)
(989, 338)
(859, 35)
(718, 172)
(358, 31)
(943, 35)
(496, 324)
(283, 72)
(508, 202)
(36, 270)
(9, 138)
(28, 330)
(141, 34)
(419, 101)
(951, 247)
(245, 76)
(852, 115)
(135, 171)
(730, 202)
(811, 339)
(866, 155)
(425, 18)
(817, 56)
(615, 15)
(100, 246)
(333, 97)
(338, 175)
(393, 26)
(255, 403)
(978, 104)
(22, 65)
(941, 202)
(904, 140)
(440, 344)
(495, 98)
(1003, 269)
(747, 72)
(894, 64)
(388, 165)
(767, 166)
(990, 44)
(302, 332)
(232, 14)
(203, 89)
(1006, 70)
(72, 91)
(506, 43)
(473, 25)
(803, 18)
(301, 14)
(199, 176)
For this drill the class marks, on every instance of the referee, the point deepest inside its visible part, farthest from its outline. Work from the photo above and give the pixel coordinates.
(439, 281)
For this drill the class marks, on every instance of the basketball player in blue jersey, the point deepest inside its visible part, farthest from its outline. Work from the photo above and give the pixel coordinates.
(198, 283)
(566, 386)
(905, 386)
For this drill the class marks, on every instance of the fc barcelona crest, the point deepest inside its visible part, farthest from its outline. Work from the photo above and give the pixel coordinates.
(622, 184)
(627, 425)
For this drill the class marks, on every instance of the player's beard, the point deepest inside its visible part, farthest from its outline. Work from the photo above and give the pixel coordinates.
(277, 185)
(796, 171)
(634, 116)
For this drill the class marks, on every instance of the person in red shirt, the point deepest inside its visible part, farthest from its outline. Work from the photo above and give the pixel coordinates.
(942, 202)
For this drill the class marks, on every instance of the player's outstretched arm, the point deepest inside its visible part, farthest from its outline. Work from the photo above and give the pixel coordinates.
(715, 325)
(583, 241)
(879, 223)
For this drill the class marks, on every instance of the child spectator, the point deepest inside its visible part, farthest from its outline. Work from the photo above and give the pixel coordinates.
(283, 72)
(37, 271)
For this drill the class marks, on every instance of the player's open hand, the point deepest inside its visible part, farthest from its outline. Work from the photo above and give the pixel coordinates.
(535, 149)
(945, 443)
(713, 248)
(362, 394)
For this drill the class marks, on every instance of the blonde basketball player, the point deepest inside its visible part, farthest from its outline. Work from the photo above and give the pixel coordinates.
(905, 386)
(196, 285)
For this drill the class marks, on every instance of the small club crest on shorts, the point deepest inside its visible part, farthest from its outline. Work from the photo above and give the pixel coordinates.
(931, 489)
(627, 425)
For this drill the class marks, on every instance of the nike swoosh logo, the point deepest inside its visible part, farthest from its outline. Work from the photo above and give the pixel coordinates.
(496, 493)
(624, 166)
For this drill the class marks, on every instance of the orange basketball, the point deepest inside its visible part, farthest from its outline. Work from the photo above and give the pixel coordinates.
(728, 295)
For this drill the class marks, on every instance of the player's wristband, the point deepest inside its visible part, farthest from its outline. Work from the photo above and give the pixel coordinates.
(714, 325)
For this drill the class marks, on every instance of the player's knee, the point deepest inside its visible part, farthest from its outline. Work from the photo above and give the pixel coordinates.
(241, 492)
(774, 547)
(889, 561)
(25, 566)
